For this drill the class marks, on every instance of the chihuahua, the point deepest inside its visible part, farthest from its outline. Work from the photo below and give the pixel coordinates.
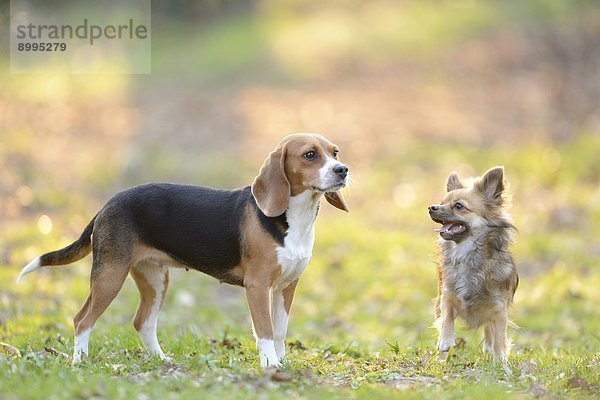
(477, 277)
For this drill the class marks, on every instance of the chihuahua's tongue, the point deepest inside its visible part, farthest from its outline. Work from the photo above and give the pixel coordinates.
(444, 228)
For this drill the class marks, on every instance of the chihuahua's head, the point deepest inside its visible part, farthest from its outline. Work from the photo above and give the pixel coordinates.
(469, 208)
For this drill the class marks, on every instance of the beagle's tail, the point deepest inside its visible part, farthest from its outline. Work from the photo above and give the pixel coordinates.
(73, 252)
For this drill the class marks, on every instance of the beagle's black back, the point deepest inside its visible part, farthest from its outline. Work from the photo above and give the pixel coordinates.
(198, 226)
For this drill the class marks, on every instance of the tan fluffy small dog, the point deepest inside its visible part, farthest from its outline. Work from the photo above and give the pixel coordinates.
(477, 277)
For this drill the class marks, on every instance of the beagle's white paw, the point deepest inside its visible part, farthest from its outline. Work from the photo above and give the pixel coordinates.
(267, 353)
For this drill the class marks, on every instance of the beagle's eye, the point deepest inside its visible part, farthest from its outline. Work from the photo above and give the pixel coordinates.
(310, 155)
(335, 154)
(458, 206)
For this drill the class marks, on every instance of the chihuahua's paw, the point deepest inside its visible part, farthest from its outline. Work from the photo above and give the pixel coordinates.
(500, 356)
(488, 348)
(445, 343)
(497, 354)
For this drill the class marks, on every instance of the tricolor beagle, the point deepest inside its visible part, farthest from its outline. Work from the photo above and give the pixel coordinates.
(260, 237)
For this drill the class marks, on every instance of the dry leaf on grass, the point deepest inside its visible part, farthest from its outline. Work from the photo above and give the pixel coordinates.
(9, 350)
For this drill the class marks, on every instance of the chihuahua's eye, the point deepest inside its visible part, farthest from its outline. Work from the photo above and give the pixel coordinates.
(310, 155)
(335, 154)
(459, 206)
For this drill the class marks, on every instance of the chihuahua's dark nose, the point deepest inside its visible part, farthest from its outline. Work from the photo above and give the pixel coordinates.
(433, 208)
(341, 170)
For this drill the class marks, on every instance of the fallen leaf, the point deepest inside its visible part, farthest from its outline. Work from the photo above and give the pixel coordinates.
(576, 382)
(298, 345)
(281, 377)
(55, 352)
(9, 350)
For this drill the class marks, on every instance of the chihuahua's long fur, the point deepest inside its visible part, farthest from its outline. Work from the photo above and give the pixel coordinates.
(477, 277)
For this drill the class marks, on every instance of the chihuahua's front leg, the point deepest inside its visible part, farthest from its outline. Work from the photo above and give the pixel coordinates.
(500, 342)
(445, 323)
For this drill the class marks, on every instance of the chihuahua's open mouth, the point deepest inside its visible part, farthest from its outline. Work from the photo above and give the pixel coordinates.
(451, 228)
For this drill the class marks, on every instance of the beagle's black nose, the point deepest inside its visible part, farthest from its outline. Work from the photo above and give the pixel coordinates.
(433, 208)
(341, 170)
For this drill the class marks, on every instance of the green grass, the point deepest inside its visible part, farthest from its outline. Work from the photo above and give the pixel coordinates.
(361, 324)
(226, 367)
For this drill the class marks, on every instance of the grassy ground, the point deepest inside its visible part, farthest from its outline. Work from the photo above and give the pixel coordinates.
(361, 323)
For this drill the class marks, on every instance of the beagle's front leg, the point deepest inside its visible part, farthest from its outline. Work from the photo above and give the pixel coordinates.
(280, 311)
(258, 301)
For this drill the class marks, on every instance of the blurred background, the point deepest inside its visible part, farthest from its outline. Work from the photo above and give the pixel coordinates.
(409, 90)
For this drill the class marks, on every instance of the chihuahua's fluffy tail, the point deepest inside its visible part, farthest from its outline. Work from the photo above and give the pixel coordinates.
(73, 252)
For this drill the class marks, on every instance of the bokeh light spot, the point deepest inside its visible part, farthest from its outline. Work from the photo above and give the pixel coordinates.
(404, 195)
(45, 224)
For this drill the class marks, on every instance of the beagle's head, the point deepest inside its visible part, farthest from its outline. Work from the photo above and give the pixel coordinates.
(300, 162)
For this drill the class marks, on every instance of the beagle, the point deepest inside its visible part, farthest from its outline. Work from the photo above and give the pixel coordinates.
(259, 237)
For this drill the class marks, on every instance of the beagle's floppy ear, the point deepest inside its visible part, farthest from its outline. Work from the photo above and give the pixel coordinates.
(337, 200)
(271, 188)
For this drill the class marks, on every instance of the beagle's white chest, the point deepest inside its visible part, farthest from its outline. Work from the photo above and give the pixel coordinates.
(295, 254)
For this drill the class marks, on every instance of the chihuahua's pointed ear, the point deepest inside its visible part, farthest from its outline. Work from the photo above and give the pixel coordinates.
(271, 188)
(337, 200)
(453, 182)
(492, 185)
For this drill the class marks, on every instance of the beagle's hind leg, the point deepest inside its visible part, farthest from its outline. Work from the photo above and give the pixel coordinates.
(152, 280)
(106, 281)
